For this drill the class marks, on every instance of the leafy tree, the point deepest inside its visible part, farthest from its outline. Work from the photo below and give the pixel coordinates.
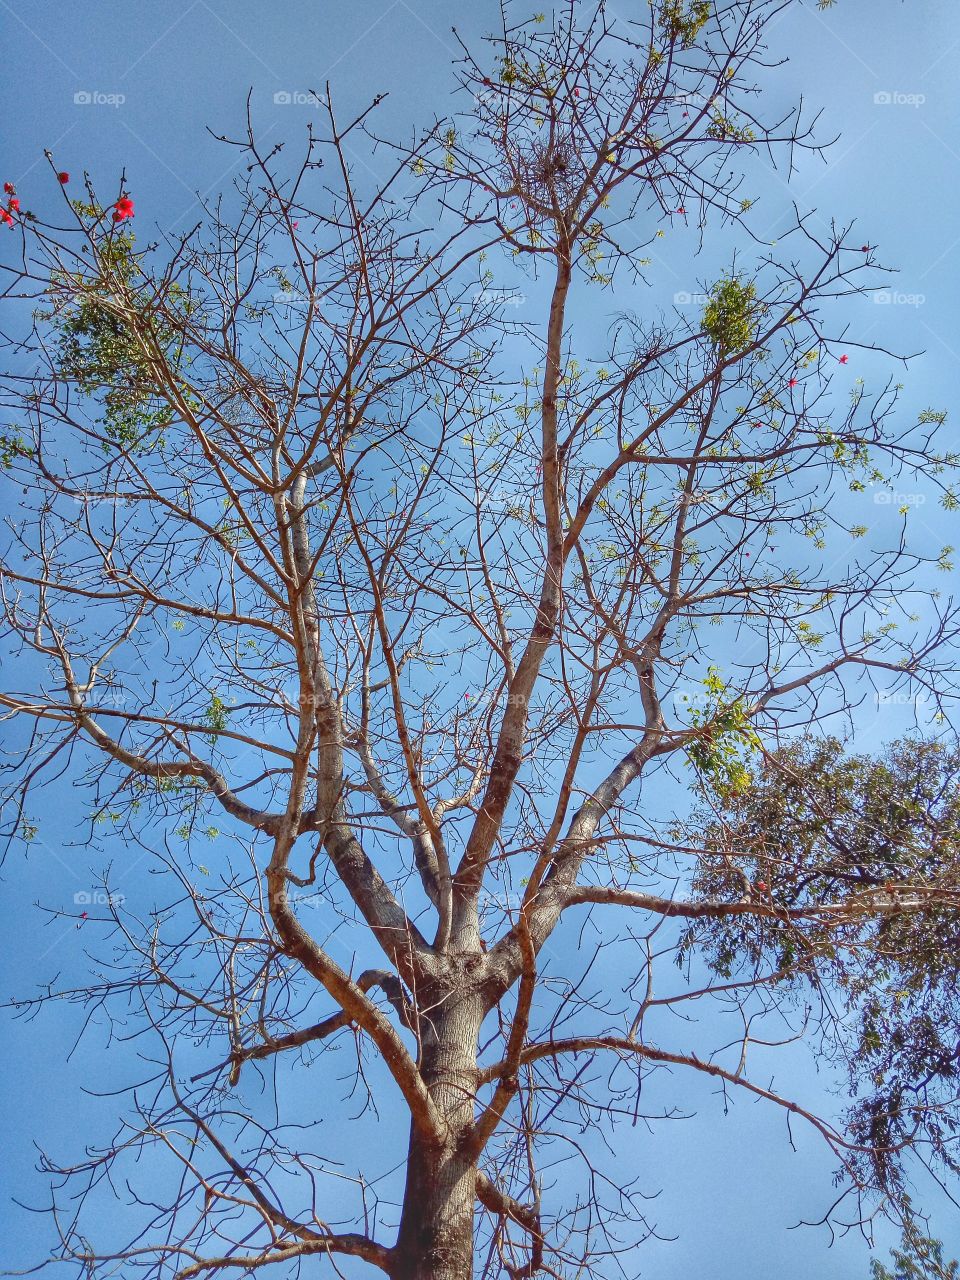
(422, 611)
(920, 1257)
(818, 836)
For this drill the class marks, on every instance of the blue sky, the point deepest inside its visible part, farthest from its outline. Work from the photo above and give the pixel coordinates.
(107, 86)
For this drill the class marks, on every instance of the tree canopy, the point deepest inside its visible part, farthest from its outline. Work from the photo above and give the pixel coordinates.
(406, 632)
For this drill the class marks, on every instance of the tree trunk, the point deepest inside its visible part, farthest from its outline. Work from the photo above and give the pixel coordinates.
(435, 1240)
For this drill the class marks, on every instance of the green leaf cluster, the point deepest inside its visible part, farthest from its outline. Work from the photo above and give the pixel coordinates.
(110, 336)
(683, 23)
(731, 315)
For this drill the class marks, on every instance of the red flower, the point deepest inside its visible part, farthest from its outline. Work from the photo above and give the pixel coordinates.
(6, 218)
(295, 225)
(844, 359)
(123, 207)
(9, 188)
(63, 178)
(761, 886)
(864, 248)
(793, 382)
(14, 203)
(681, 209)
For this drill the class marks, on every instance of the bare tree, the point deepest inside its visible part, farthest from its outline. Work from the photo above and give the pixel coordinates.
(329, 550)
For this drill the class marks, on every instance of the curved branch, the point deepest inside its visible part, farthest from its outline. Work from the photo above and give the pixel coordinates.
(587, 1044)
(353, 1245)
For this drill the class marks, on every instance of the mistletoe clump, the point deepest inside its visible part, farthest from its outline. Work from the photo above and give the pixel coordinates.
(731, 316)
(110, 333)
(683, 23)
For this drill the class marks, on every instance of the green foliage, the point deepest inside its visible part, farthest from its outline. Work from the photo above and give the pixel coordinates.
(216, 716)
(730, 318)
(935, 416)
(725, 129)
(870, 836)
(726, 739)
(682, 22)
(920, 1257)
(11, 448)
(809, 638)
(107, 330)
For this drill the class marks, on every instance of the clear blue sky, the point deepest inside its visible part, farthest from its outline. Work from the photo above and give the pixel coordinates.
(106, 85)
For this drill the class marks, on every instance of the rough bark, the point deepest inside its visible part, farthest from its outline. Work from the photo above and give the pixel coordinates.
(435, 1239)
